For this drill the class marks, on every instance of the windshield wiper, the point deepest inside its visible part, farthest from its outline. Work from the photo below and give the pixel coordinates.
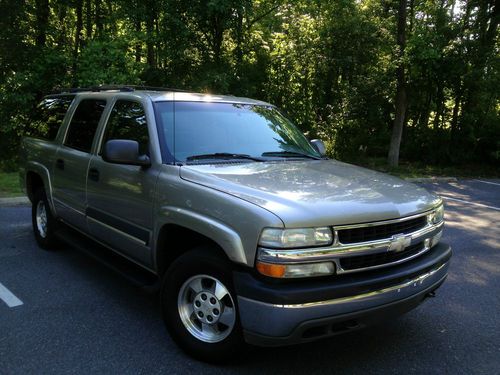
(290, 154)
(223, 155)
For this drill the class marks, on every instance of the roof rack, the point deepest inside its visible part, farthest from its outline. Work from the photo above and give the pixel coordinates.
(123, 88)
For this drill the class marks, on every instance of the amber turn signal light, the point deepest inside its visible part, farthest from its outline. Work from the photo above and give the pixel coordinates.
(272, 270)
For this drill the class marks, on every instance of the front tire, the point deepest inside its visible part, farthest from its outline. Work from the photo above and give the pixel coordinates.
(44, 223)
(199, 306)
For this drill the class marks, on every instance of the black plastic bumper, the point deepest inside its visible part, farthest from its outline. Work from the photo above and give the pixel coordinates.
(316, 329)
(312, 290)
(283, 313)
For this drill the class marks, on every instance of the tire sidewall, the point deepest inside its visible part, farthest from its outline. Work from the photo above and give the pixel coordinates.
(200, 261)
(49, 241)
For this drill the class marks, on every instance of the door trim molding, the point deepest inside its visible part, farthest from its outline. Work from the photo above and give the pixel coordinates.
(123, 227)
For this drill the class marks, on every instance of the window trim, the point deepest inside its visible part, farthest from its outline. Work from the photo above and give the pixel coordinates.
(166, 155)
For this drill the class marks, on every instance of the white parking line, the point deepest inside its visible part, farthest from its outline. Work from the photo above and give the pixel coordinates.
(488, 182)
(10, 299)
(473, 203)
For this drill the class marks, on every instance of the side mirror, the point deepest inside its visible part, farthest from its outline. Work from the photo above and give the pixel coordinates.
(319, 146)
(124, 151)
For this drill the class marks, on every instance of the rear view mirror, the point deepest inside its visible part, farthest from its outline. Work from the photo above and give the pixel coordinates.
(124, 151)
(319, 146)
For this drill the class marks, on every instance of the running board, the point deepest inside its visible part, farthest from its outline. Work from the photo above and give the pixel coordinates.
(135, 274)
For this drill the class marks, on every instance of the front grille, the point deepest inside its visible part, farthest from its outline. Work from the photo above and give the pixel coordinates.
(371, 260)
(378, 232)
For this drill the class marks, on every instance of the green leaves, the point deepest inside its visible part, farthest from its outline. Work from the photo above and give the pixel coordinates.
(107, 62)
(329, 64)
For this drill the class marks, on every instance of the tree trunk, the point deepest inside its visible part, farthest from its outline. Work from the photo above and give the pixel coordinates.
(42, 20)
(62, 11)
(439, 105)
(454, 116)
(78, 31)
(412, 15)
(98, 18)
(138, 18)
(157, 44)
(138, 45)
(423, 120)
(239, 42)
(217, 38)
(401, 95)
(150, 49)
(88, 19)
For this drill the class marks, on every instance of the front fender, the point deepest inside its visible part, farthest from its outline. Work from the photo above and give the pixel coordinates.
(226, 237)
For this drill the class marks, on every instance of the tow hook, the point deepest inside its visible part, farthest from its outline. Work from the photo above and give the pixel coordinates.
(431, 294)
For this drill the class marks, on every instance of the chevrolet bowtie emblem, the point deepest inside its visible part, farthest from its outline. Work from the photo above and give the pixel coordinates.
(399, 242)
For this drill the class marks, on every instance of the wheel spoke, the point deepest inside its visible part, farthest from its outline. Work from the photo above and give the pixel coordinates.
(195, 285)
(190, 310)
(227, 317)
(220, 291)
(209, 328)
(41, 219)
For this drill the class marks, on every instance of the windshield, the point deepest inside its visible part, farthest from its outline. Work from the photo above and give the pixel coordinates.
(204, 132)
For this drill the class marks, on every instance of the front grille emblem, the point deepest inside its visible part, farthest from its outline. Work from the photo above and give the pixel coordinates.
(399, 242)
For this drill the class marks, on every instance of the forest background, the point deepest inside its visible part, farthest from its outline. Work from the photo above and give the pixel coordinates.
(411, 81)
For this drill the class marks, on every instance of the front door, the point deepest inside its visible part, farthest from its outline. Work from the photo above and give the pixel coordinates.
(120, 197)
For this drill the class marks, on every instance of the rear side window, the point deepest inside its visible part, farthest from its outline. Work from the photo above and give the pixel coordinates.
(48, 117)
(128, 121)
(84, 124)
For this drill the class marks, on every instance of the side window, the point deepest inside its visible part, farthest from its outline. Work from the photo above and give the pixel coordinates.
(127, 120)
(48, 117)
(84, 124)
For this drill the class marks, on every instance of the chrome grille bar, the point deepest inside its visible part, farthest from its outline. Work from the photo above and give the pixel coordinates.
(338, 250)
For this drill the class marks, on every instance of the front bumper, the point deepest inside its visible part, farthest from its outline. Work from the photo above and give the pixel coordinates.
(281, 314)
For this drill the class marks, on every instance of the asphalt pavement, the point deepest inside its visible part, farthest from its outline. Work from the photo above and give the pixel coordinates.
(64, 313)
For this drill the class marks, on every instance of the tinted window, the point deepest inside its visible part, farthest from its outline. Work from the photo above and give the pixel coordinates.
(84, 124)
(48, 117)
(128, 121)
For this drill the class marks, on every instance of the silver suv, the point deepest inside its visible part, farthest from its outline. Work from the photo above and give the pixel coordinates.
(252, 233)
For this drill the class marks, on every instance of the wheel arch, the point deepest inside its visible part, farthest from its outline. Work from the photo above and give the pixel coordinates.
(37, 176)
(186, 230)
(175, 240)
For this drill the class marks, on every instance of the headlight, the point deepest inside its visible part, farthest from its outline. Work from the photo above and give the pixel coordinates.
(299, 237)
(437, 216)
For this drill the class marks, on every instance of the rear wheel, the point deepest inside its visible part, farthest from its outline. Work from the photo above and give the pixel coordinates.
(200, 307)
(44, 223)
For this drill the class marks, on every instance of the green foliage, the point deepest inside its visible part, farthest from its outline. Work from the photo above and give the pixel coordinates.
(9, 185)
(20, 92)
(107, 62)
(330, 65)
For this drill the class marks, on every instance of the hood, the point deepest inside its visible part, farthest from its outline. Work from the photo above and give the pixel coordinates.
(315, 192)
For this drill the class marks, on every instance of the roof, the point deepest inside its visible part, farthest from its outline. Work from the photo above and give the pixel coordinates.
(159, 94)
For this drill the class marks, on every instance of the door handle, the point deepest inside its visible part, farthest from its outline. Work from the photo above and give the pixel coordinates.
(93, 174)
(60, 164)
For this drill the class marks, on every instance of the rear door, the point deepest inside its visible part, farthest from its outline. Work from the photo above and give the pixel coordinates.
(120, 197)
(72, 162)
